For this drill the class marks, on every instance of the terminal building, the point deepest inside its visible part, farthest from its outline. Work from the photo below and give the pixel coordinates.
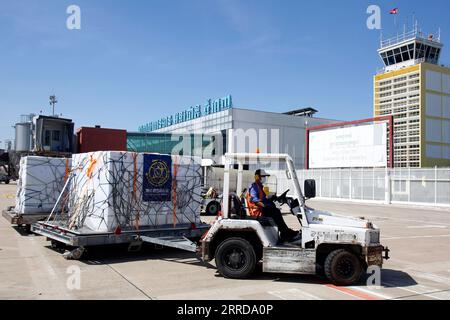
(221, 127)
(415, 89)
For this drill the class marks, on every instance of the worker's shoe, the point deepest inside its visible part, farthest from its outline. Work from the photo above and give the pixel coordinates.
(289, 235)
(296, 239)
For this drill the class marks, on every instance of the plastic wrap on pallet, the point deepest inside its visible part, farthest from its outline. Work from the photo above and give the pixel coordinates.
(131, 191)
(41, 180)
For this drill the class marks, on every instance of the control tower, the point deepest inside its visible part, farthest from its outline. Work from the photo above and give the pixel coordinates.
(414, 88)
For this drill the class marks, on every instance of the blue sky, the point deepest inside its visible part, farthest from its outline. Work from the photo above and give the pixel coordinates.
(136, 61)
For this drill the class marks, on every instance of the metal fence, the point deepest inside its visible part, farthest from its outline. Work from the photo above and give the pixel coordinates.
(429, 186)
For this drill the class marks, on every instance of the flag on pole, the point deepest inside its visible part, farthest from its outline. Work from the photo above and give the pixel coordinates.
(394, 11)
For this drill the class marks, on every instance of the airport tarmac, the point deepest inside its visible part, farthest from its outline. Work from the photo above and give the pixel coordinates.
(419, 268)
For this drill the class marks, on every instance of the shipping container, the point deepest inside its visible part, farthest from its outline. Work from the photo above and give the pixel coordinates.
(101, 139)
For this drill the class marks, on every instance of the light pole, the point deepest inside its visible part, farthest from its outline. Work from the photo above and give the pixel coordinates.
(53, 101)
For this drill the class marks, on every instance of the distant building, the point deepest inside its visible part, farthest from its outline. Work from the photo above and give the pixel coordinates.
(253, 130)
(415, 89)
(44, 133)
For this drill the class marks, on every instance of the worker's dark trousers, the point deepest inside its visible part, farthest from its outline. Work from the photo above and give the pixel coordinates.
(275, 214)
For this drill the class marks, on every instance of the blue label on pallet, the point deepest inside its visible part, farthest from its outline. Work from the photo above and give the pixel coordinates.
(157, 185)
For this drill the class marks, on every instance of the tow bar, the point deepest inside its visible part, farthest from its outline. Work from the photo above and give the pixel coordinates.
(386, 253)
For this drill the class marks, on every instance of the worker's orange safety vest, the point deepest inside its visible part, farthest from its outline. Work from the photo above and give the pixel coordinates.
(255, 211)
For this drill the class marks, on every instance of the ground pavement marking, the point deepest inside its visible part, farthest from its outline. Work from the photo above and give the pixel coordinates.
(390, 218)
(294, 294)
(421, 291)
(442, 294)
(427, 227)
(417, 237)
(373, 292)
(430, 276)
(58, 283)
(353, 293)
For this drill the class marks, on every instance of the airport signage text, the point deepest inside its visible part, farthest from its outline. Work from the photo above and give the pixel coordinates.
(191, 113)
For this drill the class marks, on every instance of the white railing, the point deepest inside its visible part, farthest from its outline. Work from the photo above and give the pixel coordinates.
(430, 186)
(399, 38)
(405, 36)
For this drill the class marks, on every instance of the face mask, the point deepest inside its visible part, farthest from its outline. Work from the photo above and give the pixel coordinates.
(263, 180)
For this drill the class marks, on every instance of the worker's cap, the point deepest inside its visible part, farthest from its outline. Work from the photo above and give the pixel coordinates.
(261, 173)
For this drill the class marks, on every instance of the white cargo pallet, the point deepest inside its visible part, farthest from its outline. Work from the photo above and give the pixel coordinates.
(41, 180)
(105, 192)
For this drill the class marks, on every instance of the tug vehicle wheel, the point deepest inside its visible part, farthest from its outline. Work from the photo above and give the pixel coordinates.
(343, 268)
(236, 258)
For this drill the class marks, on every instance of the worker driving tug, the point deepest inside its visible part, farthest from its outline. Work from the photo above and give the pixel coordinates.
(260, 206)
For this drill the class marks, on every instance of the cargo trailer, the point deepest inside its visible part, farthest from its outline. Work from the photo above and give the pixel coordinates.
(120, 197)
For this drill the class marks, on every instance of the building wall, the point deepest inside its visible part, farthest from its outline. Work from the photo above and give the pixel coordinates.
(170, 143)
(435, 115)
(212, 123)
(419, 98)
(255, 131)
(398, 93)
(275, 132)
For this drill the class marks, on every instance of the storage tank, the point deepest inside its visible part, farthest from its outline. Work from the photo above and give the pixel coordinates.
(23, 136)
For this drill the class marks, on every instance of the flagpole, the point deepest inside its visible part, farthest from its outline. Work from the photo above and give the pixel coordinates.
(395, 24)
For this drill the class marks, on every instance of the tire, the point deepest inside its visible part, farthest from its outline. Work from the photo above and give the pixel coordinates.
(236, 258)
(343, 268)
(6, 181)
(57, 245)
(213, 208)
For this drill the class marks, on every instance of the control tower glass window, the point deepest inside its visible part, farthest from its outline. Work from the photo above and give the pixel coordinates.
(427, 51)
(434, 55)
(405, 54)
(398, 56)
(411, 50)
(420, 51)
(390, 57)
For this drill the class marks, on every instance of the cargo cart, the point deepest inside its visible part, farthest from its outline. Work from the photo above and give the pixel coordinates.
(23, 219)
(180, 236)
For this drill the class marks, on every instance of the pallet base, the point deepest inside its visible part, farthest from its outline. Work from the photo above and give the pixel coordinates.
(19, 219)
(83, 239)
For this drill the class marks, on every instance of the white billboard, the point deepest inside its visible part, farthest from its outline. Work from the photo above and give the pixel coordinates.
(349, 147)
